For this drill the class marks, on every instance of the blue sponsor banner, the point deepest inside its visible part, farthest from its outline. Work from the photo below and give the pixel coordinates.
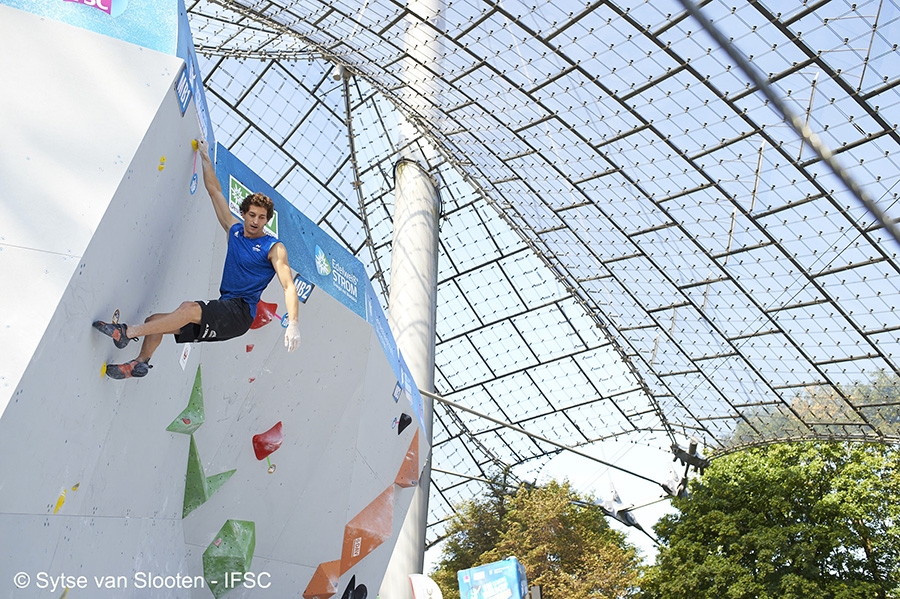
(412, 391)
(185, 50)
(319, 259)
(376, 317)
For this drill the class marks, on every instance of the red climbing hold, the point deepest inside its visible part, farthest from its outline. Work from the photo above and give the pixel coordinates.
(249, 347)
(264, 314)
(267, 442)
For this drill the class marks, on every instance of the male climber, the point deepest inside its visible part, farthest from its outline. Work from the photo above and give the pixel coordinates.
(253, 258)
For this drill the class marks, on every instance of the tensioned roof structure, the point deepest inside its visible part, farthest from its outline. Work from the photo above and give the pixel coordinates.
(636, 241)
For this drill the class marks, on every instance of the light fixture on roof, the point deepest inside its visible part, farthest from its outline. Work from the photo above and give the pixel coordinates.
(339, 72)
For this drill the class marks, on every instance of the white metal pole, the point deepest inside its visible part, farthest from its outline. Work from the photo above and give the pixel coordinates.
(413, 293)
(412, 319)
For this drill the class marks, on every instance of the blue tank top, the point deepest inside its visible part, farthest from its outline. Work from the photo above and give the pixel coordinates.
(247, 269)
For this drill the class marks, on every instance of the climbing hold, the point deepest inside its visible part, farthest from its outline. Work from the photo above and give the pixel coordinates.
(264, 313)
(408, 474)
(193, 415)
(162, 163)
(60, 501)
(249, 347)
(62, 497)
(368, 529)
(230, 554)
(267, 442)
(198, 487)
(405, 420)
(103, 371)
(324, 581)
(353, 591)
(194, 145)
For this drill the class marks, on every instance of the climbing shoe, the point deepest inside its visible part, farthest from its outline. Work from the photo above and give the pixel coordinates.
(116, 331)
(135, 369)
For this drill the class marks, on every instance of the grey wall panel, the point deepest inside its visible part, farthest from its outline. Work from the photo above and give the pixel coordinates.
(75, 109)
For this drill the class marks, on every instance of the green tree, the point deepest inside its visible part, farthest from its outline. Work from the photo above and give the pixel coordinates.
(785, 521)
(566, 547)
(473, 531)
(879, 401)
(873, 403)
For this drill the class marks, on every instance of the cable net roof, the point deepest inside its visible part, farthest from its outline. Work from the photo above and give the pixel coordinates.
(634, 243)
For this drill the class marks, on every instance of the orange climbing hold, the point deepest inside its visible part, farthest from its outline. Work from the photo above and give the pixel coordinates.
(324, 582)
(408, 475)
(368, 529)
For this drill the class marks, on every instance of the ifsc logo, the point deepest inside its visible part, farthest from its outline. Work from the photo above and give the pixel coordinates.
(113, 8)
(323, 264)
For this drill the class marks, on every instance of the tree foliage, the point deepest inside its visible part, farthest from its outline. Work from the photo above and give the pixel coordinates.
(785, 521)
(566, 547)
(820, 412)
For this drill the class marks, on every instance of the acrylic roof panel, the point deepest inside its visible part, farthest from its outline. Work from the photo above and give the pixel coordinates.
(633, 238)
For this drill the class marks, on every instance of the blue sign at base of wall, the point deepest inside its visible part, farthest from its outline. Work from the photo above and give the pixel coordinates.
(498, 580)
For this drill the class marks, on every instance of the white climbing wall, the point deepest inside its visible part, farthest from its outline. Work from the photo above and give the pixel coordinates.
(74, 112)
(97, 216)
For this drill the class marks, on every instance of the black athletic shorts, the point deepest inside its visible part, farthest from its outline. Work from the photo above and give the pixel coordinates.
(221, 320)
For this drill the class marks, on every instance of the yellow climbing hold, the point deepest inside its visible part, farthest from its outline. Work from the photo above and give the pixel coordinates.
(103, 370)
(62, 497)
(60, 501)
(194, 145)
(162, 162)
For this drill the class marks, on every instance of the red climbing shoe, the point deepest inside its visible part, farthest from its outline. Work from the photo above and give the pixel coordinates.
(116, 331)
(135, 369)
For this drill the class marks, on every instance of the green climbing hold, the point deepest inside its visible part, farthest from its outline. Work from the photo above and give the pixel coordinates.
(228, 557)
(197, 486)
(193, 415)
